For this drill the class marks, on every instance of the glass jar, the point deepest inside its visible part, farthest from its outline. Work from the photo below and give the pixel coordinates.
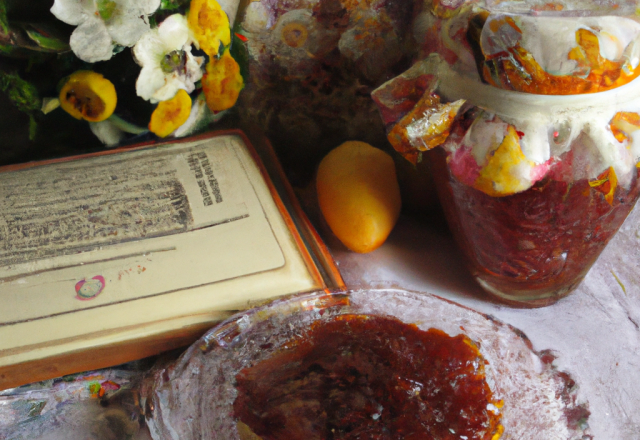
(534, 247)
(536, 170)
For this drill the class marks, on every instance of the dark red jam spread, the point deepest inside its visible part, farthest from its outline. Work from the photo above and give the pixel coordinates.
(363, 377)
(535, 242)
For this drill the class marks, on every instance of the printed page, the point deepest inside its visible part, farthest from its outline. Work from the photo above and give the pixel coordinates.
(115, 228)
(137, 246)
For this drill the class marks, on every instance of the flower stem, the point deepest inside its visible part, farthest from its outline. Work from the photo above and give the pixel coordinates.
(127, 126)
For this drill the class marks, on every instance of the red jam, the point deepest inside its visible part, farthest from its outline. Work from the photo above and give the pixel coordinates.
(533, 247)
(362, 377)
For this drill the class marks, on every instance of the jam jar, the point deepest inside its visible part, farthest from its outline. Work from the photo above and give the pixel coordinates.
(536, 120)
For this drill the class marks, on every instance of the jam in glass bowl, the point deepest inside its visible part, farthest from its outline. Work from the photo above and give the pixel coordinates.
(384, 364)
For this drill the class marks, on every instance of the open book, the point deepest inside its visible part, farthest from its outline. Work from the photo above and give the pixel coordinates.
(113, 257)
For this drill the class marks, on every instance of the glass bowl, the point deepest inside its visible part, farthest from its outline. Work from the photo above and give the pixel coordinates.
(193, 397)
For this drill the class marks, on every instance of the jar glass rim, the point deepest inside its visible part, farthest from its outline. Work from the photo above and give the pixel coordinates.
(453, 86)
(569, 9)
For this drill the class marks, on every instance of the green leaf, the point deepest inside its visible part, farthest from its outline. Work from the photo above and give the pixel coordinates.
(4, 21)
(240, 53)
(127, 127)
(45, 38)
(33, 127)
(172, 5)
(94, 387)
(24, 96)
(36, 408)
(32, 40)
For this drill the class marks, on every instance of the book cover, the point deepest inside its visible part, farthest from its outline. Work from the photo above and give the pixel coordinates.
(117, 256)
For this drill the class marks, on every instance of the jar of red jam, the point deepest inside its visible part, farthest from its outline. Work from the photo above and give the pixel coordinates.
(537, 118)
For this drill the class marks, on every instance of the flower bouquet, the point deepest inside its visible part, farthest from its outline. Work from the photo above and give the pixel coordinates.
(122, 70)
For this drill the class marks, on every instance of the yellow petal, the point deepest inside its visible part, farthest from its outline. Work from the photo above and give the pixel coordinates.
(210, 25)
(88, 95)
(222, 83)
(170, 114)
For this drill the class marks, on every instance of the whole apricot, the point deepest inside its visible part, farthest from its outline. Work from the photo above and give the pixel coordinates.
(358, 194)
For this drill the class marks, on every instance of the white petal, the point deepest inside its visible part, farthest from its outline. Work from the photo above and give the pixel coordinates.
(198, 112)
(71, 11)
(193, 67)
(148, 6)
(107, 132)
(49, 105)
(139, 7)
(174, 32)
(149, 50)
(149, 81)
(126, 30)
(153, 84)
(170, 88)
(199, 118)
(91, 42)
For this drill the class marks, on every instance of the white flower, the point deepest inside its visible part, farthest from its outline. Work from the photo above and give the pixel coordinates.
(108, 132)
(113, 130)
(104, 23)
(167, 63)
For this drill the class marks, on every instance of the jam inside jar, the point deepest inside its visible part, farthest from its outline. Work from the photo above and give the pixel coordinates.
(532, 129)
(534, 247)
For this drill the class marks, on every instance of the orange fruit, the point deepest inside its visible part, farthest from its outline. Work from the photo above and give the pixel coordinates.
(358, 194)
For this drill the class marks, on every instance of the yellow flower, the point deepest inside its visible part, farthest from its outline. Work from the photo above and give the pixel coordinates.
(88, 95)
(210, 25)
(171, 114)
(222, 83)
